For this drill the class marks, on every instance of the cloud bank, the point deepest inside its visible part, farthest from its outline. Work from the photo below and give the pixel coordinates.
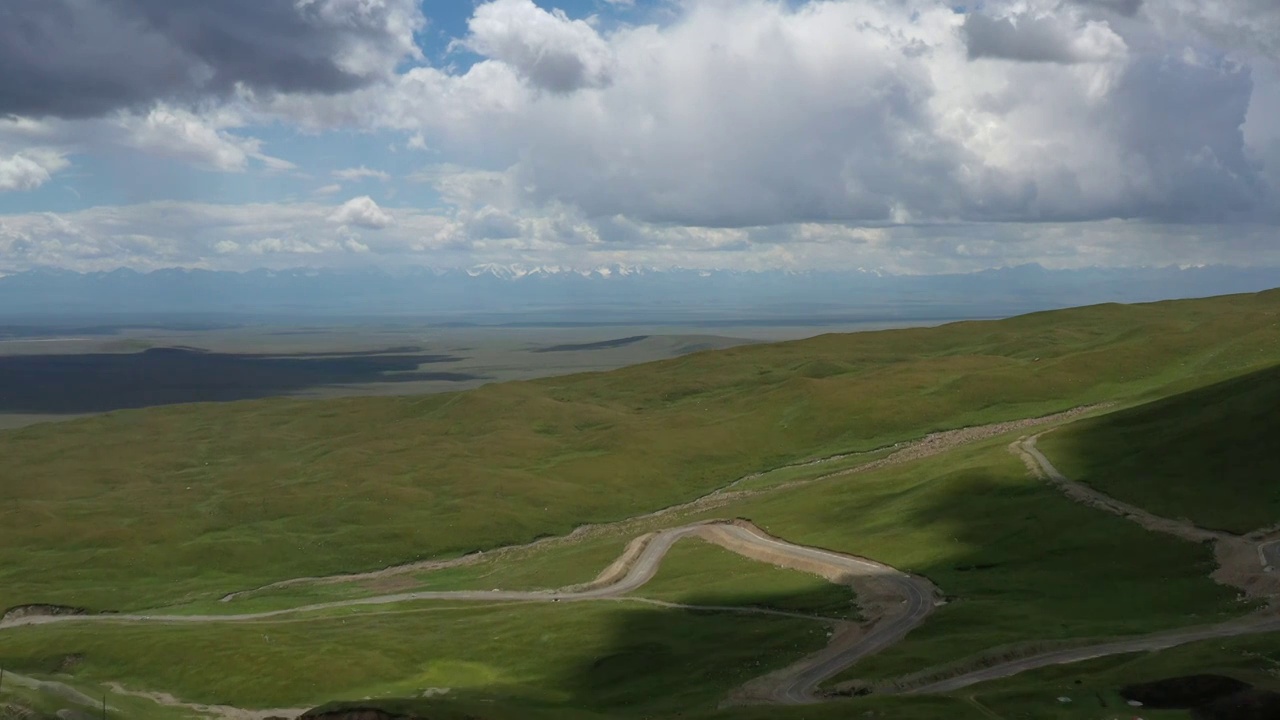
(900, 134)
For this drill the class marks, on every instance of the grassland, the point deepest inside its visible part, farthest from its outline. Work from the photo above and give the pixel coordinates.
(1208, 455)
(699, 573)
(143, 508)
(1019, 561)
(181, 504)
(1094, 685)
(592, 656)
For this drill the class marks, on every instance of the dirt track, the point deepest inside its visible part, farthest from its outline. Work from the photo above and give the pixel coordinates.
(928, 446)
(896, 602)
(893, 601)
(1157, 641)
(1243, 562)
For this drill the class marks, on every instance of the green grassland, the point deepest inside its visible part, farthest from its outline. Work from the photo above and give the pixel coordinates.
(583, 655)
(1094, 685)
(1209, 455)
(176, 506)
(25, 703)
(1018, 560)
(144, 508)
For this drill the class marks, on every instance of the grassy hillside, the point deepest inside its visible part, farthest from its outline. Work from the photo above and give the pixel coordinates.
(1094, 686)
(143, 508)
(1019, 561)
(588, 655)
(1208, 455)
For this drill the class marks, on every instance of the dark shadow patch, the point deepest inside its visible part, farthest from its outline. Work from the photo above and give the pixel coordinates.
(98, 382)
(976, 566)
(1249, 704)
(1183, 693)
(601, 345)
(1208, 697)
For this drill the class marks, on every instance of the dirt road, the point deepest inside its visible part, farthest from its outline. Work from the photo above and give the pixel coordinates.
(1147, 643)
(1248, 563)
(1242, 560)
(896, 602)
(907, 451)
(893, 602)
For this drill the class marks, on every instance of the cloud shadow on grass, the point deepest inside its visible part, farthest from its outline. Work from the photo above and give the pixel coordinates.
(98, 382)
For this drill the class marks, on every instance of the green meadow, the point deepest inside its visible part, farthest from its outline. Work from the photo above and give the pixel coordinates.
(1208, 455)
(170, 508)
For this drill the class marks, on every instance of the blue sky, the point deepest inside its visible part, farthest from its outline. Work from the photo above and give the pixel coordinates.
(913, 136)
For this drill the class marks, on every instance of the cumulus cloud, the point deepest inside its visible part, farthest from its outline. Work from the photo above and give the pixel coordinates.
(549, 50)
(70, 58)
(183, 135)
(362, 212)
(1039, 38)
(1128, 8)
(900, 134)
(29, 169)
(203, 140)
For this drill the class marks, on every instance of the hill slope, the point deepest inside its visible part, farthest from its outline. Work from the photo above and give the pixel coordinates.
(1207, 455)
(148, 507)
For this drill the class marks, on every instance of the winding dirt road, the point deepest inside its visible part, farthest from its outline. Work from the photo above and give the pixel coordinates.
(1146, 643)
(895, 601)
(1247, 563)
(907, 451)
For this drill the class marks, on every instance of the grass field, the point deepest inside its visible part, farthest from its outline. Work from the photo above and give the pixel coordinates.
(176, 506)
(142, 508)
(590, 655)
(1208, 455)
(1094, 685)
(1018, 560)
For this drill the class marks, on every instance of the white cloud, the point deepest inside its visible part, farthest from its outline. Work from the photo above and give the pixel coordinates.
(759, 113)
(239, 237)
(888, 134)
(362, 212)
(29, 169)
(1058, 37)
(549, 50)
(199, 140)
(357, 174)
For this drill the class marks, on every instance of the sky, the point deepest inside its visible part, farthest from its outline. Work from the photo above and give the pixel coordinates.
(908, 136)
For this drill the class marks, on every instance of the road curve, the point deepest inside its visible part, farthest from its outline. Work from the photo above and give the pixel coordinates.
(1268, 552)
(795, 684)
(1146, 643)
(928, 446)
